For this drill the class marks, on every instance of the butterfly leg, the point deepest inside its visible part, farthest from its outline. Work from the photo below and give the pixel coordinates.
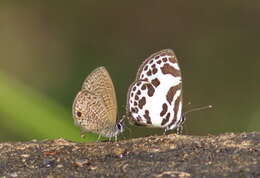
(180, 125)
(179, 130)
(82, 134)
(99, 136)
(165, 130)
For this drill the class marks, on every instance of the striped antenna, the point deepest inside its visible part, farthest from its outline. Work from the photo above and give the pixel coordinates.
(198, 109)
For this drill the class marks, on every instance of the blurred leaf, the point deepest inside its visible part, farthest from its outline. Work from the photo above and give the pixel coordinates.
(31, 115)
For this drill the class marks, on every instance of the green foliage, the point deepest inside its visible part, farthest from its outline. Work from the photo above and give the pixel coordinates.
(28, 114)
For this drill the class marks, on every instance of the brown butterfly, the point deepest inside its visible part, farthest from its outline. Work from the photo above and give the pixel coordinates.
(95, 106)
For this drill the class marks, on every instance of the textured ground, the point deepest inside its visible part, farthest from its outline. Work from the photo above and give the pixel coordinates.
(228, 155)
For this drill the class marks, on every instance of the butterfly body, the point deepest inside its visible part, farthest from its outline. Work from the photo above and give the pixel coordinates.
(155, 97)
(95, 106)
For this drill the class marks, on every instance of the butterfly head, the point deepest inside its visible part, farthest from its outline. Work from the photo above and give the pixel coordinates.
(120, 126)
(112, 131)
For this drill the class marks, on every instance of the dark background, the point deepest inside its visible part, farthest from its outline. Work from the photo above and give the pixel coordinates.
(47, 48)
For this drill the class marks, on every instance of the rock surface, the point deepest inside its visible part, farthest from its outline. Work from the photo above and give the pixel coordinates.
(227, 155)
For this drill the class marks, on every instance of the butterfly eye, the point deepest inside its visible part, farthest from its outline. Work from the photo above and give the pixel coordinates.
(79, 114)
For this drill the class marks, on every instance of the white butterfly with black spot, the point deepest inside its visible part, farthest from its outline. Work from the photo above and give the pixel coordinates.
(155, 98)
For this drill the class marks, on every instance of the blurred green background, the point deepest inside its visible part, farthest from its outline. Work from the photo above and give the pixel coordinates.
(47, 48)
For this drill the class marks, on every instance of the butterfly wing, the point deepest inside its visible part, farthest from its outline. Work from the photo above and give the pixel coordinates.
(100, 83)
(136, 101)
(89, 111)
(155, 98)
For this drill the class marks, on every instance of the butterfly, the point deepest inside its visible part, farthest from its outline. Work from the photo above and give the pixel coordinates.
(95, 106)
(154, 99)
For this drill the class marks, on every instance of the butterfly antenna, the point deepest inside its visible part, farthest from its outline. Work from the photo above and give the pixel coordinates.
(197, 109)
